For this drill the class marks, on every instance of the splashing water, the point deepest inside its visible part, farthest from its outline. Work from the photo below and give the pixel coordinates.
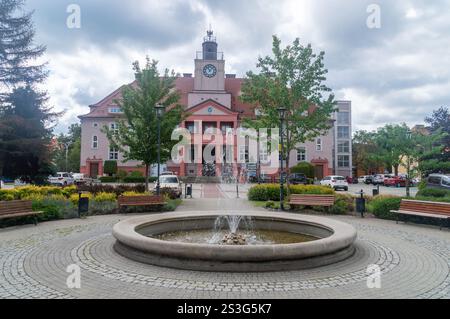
(234, 223)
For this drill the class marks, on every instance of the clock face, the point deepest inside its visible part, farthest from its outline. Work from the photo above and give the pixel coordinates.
(210, 71)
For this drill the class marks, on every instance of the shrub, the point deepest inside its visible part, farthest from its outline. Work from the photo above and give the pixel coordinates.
(272, 191)
(433, 192)
(110, 168)
(136, 174)
(7, 195)
(270, 204)
(122, 174)
(381, 206)
(169, 193)
(102, 207)
(54, 209)
(345, 201)
(265, 192)
(132, 194)
(172, 205)
(118, 190)
(311, 189)
(105, 197)
(304, 168)
(109, 179)
(70, 190)
(134, 180)
(340, 207)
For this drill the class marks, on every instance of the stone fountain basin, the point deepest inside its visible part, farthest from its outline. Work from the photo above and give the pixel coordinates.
(334, 244)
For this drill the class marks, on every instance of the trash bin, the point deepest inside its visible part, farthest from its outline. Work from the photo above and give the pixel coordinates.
(83, 205)
(361, 205)
(188, 191)
(376, 192)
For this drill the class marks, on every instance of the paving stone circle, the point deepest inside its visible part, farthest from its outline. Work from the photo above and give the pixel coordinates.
(414, 262)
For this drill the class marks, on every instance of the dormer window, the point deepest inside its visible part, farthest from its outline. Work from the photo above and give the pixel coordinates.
(115, 110)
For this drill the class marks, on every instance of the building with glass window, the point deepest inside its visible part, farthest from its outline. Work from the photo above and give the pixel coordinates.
(212, 99)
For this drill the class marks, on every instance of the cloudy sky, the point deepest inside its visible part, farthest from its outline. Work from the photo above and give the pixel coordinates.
(399, 72)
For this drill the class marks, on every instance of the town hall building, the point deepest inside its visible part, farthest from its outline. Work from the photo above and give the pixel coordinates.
(211, 97)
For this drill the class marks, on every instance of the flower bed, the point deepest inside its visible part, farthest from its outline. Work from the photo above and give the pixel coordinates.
(62, 203)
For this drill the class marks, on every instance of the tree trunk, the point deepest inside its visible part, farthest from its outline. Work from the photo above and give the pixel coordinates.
(146, 178)
(396, 169)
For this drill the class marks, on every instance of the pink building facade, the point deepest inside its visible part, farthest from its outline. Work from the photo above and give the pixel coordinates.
(211, 98)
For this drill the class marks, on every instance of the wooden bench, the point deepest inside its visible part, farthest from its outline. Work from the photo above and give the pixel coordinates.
(435, 210)
(18, 208)
(135, 201)
(312, 200)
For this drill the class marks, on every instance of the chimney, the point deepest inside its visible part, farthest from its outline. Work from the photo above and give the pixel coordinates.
(230, 76)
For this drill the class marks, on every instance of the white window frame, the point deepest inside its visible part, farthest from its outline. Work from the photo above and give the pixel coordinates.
(114, 126)
(301, 151)
(113, 154)
(347, 128)
(319, 144)
(115, 110)
(242, 153)
(343, 161)
(95, 142)
(263, 153)
(344, 147)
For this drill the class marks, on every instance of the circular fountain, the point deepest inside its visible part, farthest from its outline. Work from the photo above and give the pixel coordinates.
(251, 242)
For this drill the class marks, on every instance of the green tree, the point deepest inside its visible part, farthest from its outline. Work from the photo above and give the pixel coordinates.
(293, 78)
(365, 152)
(25, 135)
(17, 50)
(136, 136)
(110, 168)
(390, 141)
(71, 141)
(439, 160)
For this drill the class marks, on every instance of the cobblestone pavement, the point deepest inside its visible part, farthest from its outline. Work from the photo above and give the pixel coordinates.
(414, 260)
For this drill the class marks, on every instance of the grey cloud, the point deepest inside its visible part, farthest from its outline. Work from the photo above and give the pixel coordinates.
(359, 59)
(106, 22)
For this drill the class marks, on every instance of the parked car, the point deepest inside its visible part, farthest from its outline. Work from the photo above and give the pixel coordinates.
(297, 179)
(81, 179)
(397, 181)
(378, 179)
(367, 179)
(440, 181)
(61, 179)
(336, 182)
(172, 182)
(362, 179)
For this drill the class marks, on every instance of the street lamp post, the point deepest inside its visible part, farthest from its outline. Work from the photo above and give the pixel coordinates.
(159, 112)
(408, 166)
(282, 115)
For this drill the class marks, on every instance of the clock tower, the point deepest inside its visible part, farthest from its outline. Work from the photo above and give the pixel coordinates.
(209, 82)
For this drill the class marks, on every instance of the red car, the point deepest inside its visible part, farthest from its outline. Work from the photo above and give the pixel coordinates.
(396, 181)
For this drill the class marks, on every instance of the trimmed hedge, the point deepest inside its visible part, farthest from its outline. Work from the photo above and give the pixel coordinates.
(109, 179)
(433, 192)
(271, 192)
(126, 179)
